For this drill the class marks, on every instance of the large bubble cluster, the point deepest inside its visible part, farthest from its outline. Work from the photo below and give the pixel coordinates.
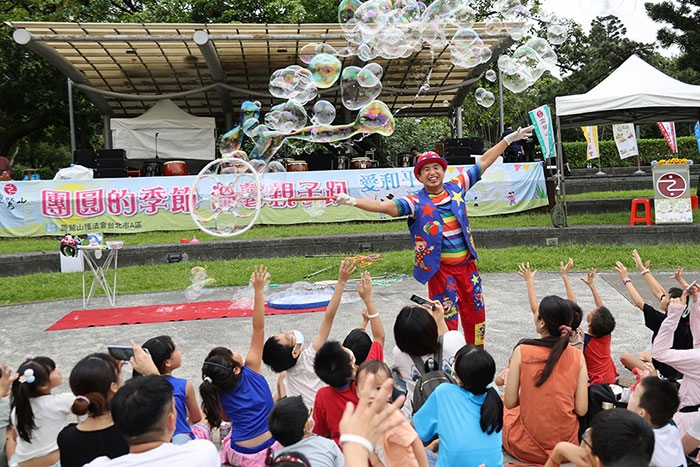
(360, 86)
(484, 97)
(527, 64)
(293, 82)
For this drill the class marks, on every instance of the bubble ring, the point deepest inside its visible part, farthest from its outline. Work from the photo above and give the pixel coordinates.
(231, 173)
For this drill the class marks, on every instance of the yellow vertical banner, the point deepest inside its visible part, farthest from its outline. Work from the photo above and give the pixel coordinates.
(591, 134)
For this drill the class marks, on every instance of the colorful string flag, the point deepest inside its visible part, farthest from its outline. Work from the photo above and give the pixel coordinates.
(363, 261)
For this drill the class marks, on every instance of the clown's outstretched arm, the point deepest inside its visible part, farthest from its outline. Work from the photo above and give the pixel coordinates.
(388, 207)
(492, 154)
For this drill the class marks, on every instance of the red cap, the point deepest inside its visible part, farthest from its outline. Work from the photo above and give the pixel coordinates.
(428, 158)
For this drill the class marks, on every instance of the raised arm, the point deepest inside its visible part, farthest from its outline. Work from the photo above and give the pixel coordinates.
(564, 271)
(438, 313)
(347, 267)
(634, 295)
(364, 287)
(259, 278)
(529, 275)
(678, 275)
(492, 154)
(684, 361)
(388, 207)
(656, 288)
(590, 276)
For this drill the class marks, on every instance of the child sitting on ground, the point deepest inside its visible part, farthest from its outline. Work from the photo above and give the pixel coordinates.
(167, 359)
(468, 416)
(399, 446)
(285, 352)
(290, 424)
(37, 415)
(335, 366)
(657, 400)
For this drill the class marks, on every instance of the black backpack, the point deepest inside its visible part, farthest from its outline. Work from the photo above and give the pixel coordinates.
(429, 380)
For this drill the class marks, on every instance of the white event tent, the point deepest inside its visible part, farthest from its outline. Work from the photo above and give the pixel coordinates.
(636, 92)
(165, 131)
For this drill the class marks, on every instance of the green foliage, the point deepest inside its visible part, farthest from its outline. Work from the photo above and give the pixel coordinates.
(681, 19)
(421, 133)
(649, 150)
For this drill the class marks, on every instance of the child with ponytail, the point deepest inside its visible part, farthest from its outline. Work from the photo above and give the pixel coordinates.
(38, 415)
(547, 387)
(94, 380)
(468, 416)
(234, 390)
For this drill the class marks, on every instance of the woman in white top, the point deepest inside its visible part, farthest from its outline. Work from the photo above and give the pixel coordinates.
(416, 332)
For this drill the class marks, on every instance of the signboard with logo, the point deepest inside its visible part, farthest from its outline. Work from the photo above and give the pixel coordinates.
(672, 194)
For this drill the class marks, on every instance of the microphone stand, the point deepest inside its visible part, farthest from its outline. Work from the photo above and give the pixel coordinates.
(157, 145)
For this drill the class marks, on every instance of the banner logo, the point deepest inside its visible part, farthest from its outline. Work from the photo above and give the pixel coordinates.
(671, 185)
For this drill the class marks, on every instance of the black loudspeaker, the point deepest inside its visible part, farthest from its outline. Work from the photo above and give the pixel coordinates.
(468, 145)
(111, 163)
(110, 173)
(111, 154)
(85, 157)
(460, 160)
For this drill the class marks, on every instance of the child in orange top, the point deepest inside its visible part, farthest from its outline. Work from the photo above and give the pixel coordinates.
(399, 446)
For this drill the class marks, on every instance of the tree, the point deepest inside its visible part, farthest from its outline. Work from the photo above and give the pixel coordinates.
(683, 17)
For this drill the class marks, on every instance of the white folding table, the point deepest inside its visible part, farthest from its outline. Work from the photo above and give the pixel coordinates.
(99, 259)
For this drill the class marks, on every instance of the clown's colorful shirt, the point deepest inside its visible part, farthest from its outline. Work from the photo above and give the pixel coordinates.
(439, 224)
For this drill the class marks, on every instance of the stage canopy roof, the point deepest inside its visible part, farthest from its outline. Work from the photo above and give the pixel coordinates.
(209, 69)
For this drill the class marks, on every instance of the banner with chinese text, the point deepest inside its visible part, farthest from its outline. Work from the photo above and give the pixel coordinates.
(131, 205)
(625, 140)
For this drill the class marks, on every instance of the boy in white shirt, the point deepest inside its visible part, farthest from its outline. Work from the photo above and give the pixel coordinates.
(657, 400)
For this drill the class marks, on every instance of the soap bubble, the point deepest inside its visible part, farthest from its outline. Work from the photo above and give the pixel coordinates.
(557, 34)
(488, 99)
(200, 283)
(491, 76)
(353, 95)
(370, 75)
(286, 118)
(445, 103)
(325, 70)
(493, 26)
(479, 93)
(293, 82)
(324, 113)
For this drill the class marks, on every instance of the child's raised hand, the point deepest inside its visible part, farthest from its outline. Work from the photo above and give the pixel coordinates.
(525, 272)
(638, 261)
(6, 380)
(621, 270)
(590, 276)
(678, 275)
(565, 268)
(259, 277)
(347, 267)
(364, 286)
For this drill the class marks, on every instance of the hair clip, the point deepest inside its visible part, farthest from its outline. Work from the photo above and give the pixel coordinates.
(27, 376)
(207, 379)
(28, 357)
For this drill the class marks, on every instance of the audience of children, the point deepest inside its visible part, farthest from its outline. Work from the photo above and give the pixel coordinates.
(682, 336)
(546, 390)
(285, 352)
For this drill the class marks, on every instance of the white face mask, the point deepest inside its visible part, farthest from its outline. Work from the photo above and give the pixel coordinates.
(299, 338)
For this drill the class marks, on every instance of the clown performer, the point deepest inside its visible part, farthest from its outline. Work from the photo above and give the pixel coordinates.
(439, 227)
